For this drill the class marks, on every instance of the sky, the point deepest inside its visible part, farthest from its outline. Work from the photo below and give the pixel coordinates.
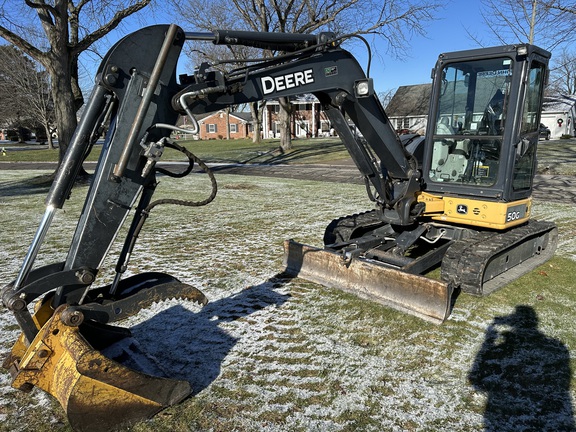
(449, 32)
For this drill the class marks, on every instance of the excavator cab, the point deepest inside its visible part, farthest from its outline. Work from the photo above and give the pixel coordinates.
(483, 124)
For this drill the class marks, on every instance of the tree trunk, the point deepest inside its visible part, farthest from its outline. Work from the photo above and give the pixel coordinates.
(257, 111)
(20, 132)
(64, 111)
(64, 107)
(284, 118)
(49, 136)
(75, 86)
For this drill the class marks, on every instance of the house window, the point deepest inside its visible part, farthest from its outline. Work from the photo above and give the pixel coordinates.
(211, 128)
(304, 107)
(233, 128)
(406, 123)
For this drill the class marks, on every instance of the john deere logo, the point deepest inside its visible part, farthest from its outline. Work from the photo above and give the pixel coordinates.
(286, 82)
(462, 209)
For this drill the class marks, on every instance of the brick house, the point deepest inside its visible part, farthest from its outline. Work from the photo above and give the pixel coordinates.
(308, 120)
(213, 125)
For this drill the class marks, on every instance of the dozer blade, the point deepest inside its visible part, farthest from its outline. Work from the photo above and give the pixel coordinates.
(413, 294)
(96, 392)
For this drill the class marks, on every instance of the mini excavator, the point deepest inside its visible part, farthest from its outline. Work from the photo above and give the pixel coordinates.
(458, 198)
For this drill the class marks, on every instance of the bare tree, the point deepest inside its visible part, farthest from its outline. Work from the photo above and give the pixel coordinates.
(219, 18)
(563, 71)
(25, 98)
(386, 96)
(55, 33)
(525, 21)
(391, 20)
(547, 23)
(560, 6)
(563, 74)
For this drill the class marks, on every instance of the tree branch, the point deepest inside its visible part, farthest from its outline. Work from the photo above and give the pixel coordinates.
(23, 45)
(109, 26)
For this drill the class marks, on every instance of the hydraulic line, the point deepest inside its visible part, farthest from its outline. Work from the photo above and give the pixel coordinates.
(141, 218)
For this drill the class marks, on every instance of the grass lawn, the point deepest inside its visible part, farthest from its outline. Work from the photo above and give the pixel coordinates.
(319, 150)
(555, 157)
(275, 354)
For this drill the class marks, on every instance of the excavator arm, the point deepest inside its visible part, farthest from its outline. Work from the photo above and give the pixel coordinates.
(138, 99)
(60, 349)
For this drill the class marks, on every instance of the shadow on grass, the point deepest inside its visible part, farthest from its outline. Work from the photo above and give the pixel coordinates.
(192, 346)
(39, 184)
(30, 186)
(525, 376)
(300, 153)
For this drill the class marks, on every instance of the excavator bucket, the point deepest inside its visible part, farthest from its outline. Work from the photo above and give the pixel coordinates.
(413, 294)
(68, 356)
(96, 392)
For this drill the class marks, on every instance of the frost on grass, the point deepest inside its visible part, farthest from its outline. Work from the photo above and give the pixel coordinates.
(276, 354)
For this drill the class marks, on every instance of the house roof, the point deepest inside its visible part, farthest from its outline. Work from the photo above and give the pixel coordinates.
(410, 101)
(244, 117)
(298, 99)
(562, 103)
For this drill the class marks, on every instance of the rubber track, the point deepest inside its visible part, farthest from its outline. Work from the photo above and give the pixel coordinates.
(341, 229)
(465, 261)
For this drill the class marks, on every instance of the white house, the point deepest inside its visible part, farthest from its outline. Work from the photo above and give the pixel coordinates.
(558, 115)
(408, 108)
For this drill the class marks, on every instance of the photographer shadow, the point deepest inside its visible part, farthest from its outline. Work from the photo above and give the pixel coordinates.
(525, 376)
(193, 345)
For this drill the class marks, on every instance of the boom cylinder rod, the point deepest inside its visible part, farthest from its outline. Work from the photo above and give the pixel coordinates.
(146, 99)
(200, 36)
(35, 246)
(264, 40)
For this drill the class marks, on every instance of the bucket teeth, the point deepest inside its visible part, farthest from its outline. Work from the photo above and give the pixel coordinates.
(136, 293)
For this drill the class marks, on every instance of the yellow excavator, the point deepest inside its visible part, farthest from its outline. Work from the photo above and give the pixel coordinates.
(458, 198)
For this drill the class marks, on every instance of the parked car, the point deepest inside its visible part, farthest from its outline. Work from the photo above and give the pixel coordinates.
(544, 132)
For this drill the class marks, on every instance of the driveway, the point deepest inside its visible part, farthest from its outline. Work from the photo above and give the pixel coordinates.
(547, 187)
